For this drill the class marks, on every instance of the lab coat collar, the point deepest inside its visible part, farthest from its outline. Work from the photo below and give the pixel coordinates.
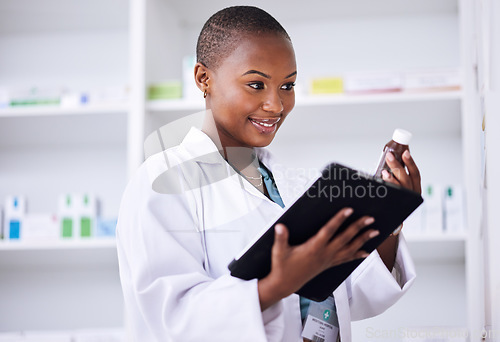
(200, 148)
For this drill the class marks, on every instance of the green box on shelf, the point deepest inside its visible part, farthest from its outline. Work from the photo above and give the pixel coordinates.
(67, 227)
(165, 90)
(85, 227)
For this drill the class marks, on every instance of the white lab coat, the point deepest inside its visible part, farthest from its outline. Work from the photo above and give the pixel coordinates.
(184, 216)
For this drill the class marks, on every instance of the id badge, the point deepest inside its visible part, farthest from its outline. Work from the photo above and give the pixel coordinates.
(321, 324)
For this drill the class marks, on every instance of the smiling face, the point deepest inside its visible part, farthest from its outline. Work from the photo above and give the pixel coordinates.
(252, 90)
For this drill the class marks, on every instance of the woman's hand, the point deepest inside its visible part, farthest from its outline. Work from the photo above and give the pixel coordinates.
(410, 180)
(293, 266)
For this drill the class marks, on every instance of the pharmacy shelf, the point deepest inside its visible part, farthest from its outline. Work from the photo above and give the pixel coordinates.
(393, 97)
(58, 110)
(445, 237)
(103, 335)
(433, 248)
(58, 244)
(323, 100)
(66, 254)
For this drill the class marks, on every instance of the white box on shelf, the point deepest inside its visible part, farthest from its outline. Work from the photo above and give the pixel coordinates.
(4, 98)
(432, 80)
(454, 209)
(74, 99)
(433, 209)
(108, 95)
(15, 211)
(372, 82)
(40, 227)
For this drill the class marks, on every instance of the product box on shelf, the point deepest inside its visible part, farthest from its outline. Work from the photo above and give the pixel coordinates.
(73, 99)
(443, 212)
(86, 214)
(40, 227)
(326, 85)
(35, 96)
(431, 80)
(14, 213)
(166, 90)
(454, 209)
(372, 82)
(108, 95)
(105, 227)
(67, 216)
(77, 214)
(4, 98)
(433, 209)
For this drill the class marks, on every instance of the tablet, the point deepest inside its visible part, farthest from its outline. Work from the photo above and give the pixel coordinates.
(338, 187)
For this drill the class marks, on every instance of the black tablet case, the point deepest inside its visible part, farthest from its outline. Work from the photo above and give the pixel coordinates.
(338, 187)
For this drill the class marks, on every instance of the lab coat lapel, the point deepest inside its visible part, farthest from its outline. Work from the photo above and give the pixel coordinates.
(343, 311)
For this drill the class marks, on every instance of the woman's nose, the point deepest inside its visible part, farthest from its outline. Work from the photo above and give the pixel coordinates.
(272, 103)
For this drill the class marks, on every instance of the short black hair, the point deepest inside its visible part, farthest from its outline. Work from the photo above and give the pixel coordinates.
(223, 30)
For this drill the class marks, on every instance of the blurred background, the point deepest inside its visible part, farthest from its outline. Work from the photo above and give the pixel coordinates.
(83, 83)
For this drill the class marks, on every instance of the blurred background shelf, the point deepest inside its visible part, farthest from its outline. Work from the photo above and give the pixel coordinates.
(74, 244)
(321, 100)
(14, 112)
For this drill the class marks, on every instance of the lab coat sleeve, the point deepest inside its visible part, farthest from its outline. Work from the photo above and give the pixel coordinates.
(168, 295)
(373, 289)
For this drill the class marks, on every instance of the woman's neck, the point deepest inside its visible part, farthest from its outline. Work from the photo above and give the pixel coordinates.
(243, 160)
(240, 157)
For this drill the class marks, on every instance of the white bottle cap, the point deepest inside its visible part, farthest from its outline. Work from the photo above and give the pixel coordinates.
(401, 136)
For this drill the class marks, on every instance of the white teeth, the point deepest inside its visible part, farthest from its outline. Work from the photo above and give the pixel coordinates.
(263, 122)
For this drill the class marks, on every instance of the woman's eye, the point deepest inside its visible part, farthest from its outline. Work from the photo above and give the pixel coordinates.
(256, 85)
(288, 86)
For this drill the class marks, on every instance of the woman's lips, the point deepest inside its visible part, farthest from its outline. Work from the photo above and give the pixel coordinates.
(265, 126)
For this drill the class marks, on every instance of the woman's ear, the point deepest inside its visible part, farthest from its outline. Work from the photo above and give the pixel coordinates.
(201, 77)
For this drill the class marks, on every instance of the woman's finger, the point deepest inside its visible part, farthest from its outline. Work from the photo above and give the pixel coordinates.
(398, 171)
(330, 228)
(413, 171)
(351, 250)
(359, 241)
(345, 238)
(388, 177)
